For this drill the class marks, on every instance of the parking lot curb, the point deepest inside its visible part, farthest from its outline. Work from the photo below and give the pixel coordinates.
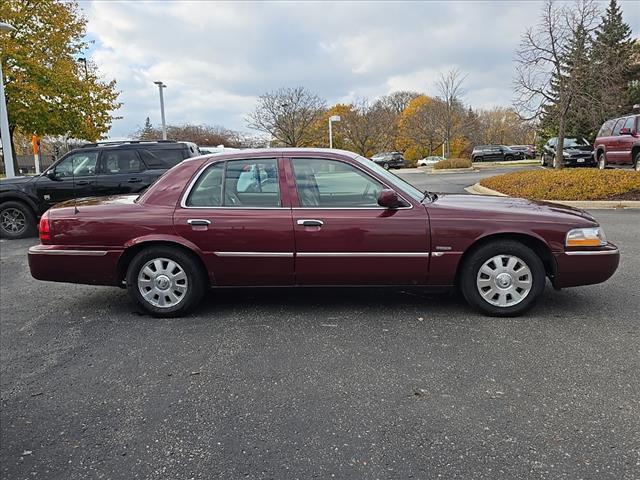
(452, 170)
(478, 189)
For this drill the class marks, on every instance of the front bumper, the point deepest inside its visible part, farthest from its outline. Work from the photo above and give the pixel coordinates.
(587, 161)
(55, 263)
(585, 267)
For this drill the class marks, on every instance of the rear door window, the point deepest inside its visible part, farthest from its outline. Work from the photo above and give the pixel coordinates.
(121, 161)
(163, 158)
(606, 128)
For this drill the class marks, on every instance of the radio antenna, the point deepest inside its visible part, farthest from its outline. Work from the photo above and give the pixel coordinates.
(73, 183)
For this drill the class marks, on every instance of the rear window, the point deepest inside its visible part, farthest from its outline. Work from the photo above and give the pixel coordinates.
(163, 158)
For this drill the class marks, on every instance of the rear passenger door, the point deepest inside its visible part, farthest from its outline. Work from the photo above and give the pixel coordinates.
(614, 145)
(120, 172)
(626, 141)
(237, 216)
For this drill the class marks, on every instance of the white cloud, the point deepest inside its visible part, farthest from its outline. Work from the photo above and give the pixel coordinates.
(216, 58)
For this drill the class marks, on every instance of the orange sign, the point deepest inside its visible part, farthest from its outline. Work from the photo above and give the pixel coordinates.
(35, 142)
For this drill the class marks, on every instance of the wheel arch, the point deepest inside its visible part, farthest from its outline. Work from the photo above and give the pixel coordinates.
(535, 243)
(134, 247)
(22, 198)
(634, 151)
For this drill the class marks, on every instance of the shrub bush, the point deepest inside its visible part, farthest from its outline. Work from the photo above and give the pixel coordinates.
(568, 184)
(453, 163)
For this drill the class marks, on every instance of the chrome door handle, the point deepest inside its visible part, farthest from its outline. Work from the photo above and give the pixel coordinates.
(307, 222)
(198, 222)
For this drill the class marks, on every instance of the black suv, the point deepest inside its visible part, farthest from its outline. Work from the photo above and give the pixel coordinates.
(492, 153)
(94, 170)
(389, 160)
(577, 152)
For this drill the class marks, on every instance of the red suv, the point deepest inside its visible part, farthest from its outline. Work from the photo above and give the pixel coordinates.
(618, 143)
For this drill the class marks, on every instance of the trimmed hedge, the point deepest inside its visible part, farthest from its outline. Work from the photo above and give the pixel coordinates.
(453, 163)
(568, 184)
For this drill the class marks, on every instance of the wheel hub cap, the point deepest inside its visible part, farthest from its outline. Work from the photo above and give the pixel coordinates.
(504, 280)
(163, 283)
(12, 220)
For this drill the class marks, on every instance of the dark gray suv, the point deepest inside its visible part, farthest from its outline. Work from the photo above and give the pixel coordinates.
(491, 153)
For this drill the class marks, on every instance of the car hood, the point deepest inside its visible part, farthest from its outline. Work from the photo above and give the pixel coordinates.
(15, 181)
(486, 206)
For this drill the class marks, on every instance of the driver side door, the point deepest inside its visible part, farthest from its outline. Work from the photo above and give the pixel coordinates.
(73, 176)
(343, 237)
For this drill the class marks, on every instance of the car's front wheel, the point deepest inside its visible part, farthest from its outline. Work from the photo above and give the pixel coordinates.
(386, 166)
(636, 162)
(503, 278)
(165, 281)
(17, 220)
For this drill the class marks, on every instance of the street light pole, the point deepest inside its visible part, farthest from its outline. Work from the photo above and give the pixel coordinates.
(332, 118)
(164, 125)
(7, 151)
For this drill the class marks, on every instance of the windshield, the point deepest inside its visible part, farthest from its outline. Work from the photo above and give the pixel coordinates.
(394, 180)
(575, 142)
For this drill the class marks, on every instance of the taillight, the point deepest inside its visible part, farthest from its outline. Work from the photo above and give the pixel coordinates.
(44, 228)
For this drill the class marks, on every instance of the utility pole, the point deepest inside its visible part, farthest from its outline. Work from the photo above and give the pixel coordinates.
(164, 125)
(7, 151)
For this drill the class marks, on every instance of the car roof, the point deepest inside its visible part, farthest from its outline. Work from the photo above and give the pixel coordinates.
(277, 152)
(155, 144)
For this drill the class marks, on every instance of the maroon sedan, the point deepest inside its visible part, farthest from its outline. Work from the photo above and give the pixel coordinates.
(297, 217)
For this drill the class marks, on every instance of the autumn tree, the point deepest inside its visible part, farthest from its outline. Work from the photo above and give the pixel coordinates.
(199, 134)
(319, 133)
(48, 91)
(422, 127)
(287, 115)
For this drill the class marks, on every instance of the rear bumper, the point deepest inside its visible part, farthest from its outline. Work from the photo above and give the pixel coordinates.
(586, 267)
(59, 264)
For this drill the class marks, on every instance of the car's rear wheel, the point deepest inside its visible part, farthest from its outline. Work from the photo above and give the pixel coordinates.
(477, 159)
(509, 158)
(503, 278)
(165, 281)
(602, 161)
(17, 220)
(636, 162)
(386, 166)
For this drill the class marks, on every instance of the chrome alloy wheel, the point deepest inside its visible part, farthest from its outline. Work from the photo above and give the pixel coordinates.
(13, 221)
(162, 282)
(504, 280)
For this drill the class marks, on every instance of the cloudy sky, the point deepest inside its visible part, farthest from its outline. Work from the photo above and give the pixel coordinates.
(216, 58)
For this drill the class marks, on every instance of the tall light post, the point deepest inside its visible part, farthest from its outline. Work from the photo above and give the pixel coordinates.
(332, 118)
(164, 125)
(7, 151)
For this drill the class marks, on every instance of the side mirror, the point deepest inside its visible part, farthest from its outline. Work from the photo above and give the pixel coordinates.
(388, 198)
(51, 174)
(625, 131)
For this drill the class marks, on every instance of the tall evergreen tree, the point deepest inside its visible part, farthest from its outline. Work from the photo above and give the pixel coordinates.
(611, 63)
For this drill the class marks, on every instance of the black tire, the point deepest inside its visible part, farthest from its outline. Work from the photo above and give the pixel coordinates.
(477, 159)
(386, 166)
(508, 158)
(602, 161)
(196, 281)
(17, 220)
(543, 161)
(470, 282)
(636, 162)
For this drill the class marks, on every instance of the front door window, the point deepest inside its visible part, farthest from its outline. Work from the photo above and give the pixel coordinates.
(334, 184)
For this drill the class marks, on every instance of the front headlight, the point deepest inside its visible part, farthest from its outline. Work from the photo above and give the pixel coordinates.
(586, 237)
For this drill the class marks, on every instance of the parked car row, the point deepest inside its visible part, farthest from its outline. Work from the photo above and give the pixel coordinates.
(616, 145)
(94, 170)
(389, 160)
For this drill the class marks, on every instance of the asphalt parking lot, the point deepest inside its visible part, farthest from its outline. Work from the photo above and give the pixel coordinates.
(320, 383)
